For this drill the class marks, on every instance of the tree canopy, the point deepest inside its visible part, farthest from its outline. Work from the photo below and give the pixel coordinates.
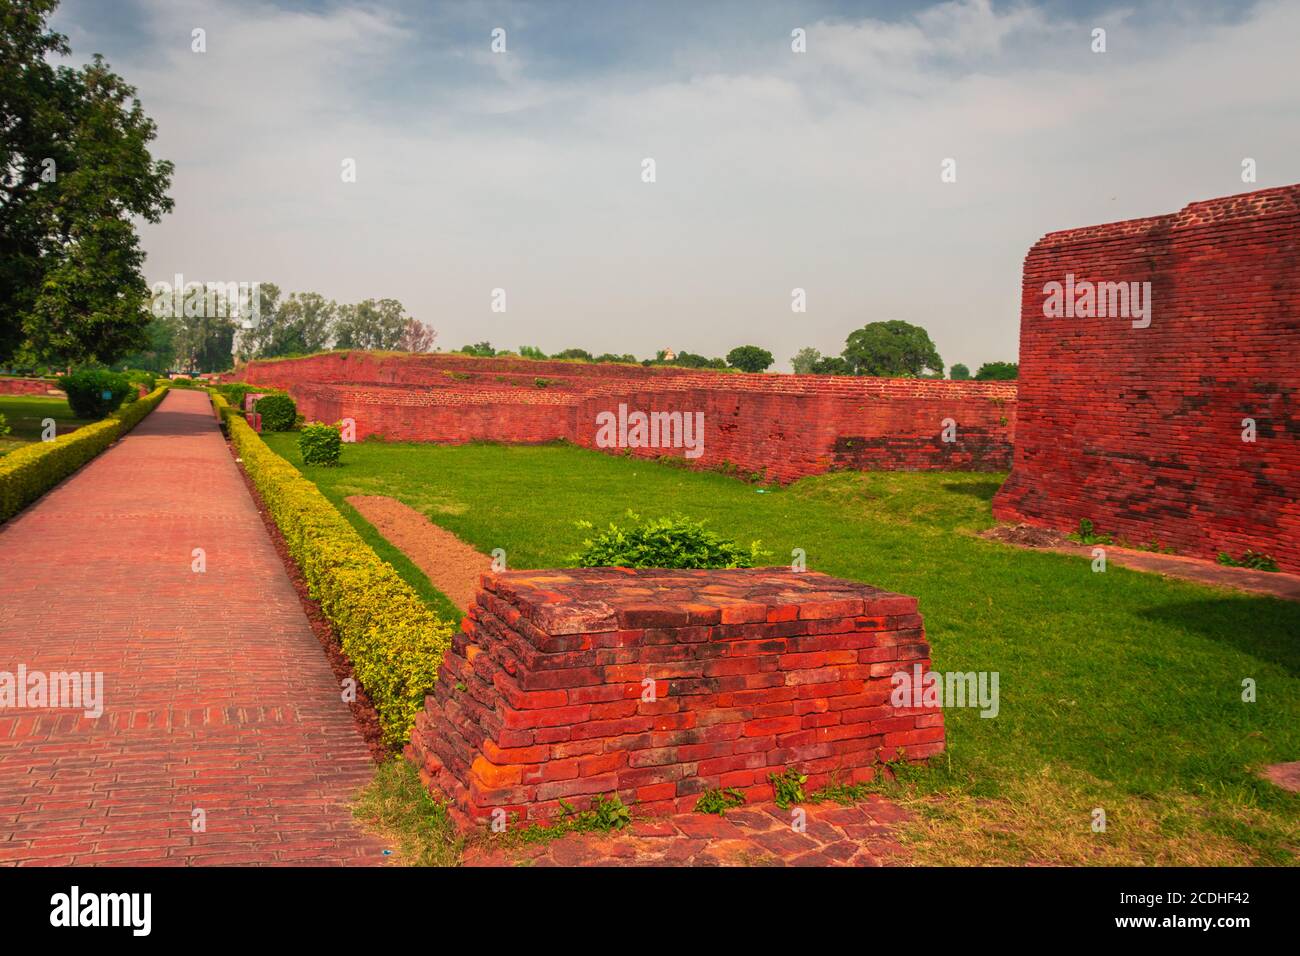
(891, 349)
(75, 172)
(750, 358)
(998, 372)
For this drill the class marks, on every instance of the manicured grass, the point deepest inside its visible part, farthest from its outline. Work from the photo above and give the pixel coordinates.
(25, 413)
(1119, 691)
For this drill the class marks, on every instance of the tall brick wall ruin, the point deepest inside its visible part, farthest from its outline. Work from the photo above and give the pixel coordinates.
(1139, 427)
(784, 426)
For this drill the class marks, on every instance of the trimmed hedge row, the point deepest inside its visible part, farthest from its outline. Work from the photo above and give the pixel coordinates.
(394, 641)
(29, 472)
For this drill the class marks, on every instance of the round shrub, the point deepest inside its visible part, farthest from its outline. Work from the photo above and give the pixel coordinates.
(94, 392)
(320, 444)
(5, 429)
(278, 412)
(675, 542)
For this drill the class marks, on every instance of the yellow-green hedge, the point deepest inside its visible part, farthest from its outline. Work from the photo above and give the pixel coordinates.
(394, 641)
(30, 471)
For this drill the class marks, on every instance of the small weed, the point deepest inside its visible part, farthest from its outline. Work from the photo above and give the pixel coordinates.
(607, 813)
(1251, 559)
(1087, 534)
(787, 787)
(719, 802)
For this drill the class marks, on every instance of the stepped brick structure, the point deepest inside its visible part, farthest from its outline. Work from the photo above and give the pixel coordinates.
(1179, 427)
(659, 685)
(781, 426)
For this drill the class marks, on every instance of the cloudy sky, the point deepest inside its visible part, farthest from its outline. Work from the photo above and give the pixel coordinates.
(775, 170)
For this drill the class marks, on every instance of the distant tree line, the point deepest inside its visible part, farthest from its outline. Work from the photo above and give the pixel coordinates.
(891, 349)
(212, 328)
(745, 358)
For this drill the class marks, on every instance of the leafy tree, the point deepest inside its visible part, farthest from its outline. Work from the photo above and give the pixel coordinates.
(831, 365)
(75, 173)
(300, 324)
(159, 354)
(611, 357)
(416, 337)
(372, 324)
(750, 358)
(575, 354)
(531, 351)
(959, 373)
(893, 348)
(483, 349)
(804, 360)
(998, 372)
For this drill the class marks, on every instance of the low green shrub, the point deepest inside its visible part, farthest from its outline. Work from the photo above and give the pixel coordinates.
(320, 444)
(94, 392)
(27, 473)
(1251, 559)
(5, 428)
(278, 412)
(672, 542)
(394, 641)
(234, 392)
(137, 376)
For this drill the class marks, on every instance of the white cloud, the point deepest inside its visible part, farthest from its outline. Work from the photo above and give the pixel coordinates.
(776, 170)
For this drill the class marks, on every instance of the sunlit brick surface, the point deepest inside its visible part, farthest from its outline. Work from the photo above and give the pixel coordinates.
(217, 694)
(785, 426)
(1140, 429)
(542, 696)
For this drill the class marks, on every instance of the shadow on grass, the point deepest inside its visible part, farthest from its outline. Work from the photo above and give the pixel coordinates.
(1271, 639)
(983, 490)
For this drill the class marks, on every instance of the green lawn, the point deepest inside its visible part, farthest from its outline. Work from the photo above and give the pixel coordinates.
(1119, 691)
(25, 414)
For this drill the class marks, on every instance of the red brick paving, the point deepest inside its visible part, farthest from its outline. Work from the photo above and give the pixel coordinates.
(763, 835)
(217, 695)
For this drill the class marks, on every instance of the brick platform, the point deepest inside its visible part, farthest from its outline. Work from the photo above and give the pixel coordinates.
(542, 696)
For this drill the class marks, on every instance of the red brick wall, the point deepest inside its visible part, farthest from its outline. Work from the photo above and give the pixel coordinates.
(1140, 429)
(27, 386)
(784, 426)
(542, 695)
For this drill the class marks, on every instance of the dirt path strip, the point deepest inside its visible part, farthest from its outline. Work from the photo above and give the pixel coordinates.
(1276, 583)
(451, 565)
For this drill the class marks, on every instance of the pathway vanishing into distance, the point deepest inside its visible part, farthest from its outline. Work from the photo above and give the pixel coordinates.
(217, 696)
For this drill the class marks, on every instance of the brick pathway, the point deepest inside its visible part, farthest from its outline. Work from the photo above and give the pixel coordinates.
(833, 835)
(216, 693)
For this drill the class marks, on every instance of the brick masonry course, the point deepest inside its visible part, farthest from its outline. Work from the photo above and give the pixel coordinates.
(1140, 429)
(784, 426)
(543, 695)
(216, 693)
